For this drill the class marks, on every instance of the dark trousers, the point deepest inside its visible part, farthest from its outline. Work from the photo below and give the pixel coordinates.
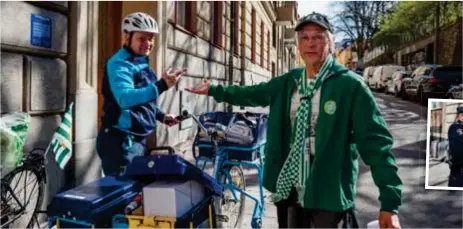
(456, 175)
(116, 149)
(292, 215)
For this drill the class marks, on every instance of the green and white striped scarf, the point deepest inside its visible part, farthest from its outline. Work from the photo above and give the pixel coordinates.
(296, 169)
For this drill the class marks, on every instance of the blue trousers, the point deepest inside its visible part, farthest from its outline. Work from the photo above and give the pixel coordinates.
(116, 149)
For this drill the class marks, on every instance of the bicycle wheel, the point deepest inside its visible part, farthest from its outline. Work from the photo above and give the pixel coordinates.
(24, 198)
(229, 208)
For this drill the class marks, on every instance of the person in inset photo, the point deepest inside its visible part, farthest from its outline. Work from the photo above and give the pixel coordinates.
(455, 152)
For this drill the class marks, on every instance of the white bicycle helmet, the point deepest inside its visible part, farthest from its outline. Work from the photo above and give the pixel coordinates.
(139, 22)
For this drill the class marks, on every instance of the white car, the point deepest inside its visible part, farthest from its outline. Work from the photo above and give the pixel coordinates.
(368, 73)
(382, 74)
(394, 86)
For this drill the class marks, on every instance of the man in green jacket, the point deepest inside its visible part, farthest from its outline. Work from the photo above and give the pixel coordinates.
(322, 118)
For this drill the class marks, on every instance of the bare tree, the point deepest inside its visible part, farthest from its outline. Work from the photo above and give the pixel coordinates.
(359, 20)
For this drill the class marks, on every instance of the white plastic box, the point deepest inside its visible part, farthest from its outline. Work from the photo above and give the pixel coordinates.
(171, 198)
(373, 224)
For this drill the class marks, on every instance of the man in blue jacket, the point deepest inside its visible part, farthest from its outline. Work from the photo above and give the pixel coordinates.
(455, 135)
(130, 89)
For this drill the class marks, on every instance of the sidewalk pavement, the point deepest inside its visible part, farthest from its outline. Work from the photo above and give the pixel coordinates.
(438, 175)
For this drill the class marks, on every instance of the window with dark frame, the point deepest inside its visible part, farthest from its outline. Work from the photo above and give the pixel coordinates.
(262, 36)
(274, 35)
(268, 50)
(180, 12)
(273, 69)
(243, 28)
(253, 36)
(236, 27)
(217, 22)
(185, 15)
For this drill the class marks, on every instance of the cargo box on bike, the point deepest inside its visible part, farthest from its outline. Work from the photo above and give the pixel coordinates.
(245, 134)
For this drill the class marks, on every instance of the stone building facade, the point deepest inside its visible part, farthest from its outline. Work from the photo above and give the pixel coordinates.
(53, 53)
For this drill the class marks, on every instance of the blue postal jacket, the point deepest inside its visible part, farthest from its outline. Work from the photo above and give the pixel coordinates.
(130, 89)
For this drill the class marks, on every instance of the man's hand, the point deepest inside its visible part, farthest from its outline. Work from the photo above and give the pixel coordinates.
(170, 120)
(388, 220)
(171, 78)
(202, 89)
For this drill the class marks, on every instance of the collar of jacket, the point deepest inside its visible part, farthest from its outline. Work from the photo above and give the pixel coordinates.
(336, 70)
(134, 57)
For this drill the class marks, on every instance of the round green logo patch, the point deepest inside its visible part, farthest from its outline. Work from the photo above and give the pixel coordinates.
(460, 131)
(330, 107)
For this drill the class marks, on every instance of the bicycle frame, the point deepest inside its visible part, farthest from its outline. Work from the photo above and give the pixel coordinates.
(220, 161)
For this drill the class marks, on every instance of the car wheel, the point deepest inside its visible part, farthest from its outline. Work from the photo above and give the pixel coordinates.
(396, 92)
(403, 93)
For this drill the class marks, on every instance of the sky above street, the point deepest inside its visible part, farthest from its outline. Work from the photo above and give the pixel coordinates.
(324, 7)
(306, 7)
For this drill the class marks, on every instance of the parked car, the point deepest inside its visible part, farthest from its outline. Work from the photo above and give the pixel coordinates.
(382, 74)
(405, 84)
(394, 86)
(367, 73)
(372, 81)
(410, 86)
(455, 92)
(433, 81)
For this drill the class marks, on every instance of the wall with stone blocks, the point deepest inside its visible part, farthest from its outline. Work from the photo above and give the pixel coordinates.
(11, 82)
(206, 61)
(16, 26)
(33, 77)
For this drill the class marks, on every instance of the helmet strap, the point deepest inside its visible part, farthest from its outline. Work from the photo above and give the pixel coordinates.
(129, 44)
(130, 40)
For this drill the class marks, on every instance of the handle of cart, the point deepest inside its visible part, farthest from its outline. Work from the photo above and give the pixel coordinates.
(221, 161)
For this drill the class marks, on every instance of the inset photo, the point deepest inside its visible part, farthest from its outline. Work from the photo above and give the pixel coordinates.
(444, 153)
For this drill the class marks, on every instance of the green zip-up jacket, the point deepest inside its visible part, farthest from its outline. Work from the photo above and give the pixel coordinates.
(350, 128)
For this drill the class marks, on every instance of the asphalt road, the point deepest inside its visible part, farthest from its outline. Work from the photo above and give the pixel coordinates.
(421, 207)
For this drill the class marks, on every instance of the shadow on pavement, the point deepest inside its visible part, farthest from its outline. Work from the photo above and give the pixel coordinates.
(420, 208)
(400, 105)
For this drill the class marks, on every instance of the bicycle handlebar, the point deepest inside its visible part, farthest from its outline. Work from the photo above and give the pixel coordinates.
(186, 115)
(245, 119)
(204, 132)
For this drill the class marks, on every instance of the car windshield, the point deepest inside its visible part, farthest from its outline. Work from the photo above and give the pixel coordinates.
(448, 72)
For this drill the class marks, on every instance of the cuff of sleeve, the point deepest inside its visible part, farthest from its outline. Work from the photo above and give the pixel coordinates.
(212, 89)
(155, 91)
(162, 86)
(160, 116)
(390, 208)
